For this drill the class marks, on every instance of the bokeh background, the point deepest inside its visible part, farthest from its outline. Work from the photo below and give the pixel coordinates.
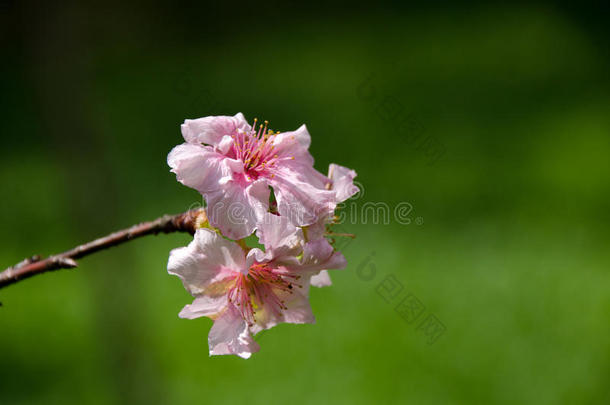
(492, 122)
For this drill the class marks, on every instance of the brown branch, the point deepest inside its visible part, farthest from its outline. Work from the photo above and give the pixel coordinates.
(185, 222)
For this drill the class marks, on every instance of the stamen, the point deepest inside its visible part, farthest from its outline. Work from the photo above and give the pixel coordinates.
(255, 147)
(260, 288)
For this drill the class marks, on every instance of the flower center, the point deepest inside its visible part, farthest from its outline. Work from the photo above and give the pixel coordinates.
(262, 287)
(255, 148)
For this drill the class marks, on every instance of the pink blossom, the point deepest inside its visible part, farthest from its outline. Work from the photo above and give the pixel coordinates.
(248, 290)
(341, 181)
(233, 165)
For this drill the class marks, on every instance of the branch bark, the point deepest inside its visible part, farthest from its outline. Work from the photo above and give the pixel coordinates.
(184, 222)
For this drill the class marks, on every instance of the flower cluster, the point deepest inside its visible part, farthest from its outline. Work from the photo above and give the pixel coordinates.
(255, 180)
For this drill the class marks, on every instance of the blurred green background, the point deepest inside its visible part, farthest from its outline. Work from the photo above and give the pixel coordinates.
(493, 122)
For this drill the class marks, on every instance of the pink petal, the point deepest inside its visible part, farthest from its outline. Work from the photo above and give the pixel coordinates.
(342, 181)
(294, 144)
(293, 155)
(204, 305)
(258, 256)
(197, 166)
(209, 258)
(279, 236)
(298, 310)
(322, 279)
(225, 144)
(230, 335)
(300, 189)
(319, 255)
(210, 130)
(318, 229)
(236, 208)
(299, 199)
